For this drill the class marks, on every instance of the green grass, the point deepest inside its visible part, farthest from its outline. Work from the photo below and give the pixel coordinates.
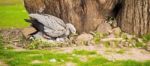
(1, 43)
(121, 51)
(84, 52)
(12, 14)
(25, 58)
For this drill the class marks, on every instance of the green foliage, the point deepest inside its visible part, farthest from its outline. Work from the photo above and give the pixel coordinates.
(98, 61)
(133, 41)
(84, 52)
(97, 37)
(35, 44)
(121, 51)
(12, 15)
(131, 63)
(146, 38)
(139, 44)
(1, 43)
(106, 44)
(26, 58)
(40, 44)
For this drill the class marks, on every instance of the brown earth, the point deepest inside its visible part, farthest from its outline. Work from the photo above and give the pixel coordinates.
(14, 38)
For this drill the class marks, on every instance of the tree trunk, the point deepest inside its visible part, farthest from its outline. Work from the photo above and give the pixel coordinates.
(134, 16)
(85, 15)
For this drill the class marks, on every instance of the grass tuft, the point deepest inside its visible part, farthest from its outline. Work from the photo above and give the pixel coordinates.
(1, 43)
(146, 38)
(84, 52)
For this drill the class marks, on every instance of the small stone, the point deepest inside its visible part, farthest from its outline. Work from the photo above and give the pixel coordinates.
(84, 38)
(104, 28)
(117, 31)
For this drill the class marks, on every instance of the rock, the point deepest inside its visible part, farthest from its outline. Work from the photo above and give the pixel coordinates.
(117, 31)
(104, 28)
(28, 31)
(84, 38)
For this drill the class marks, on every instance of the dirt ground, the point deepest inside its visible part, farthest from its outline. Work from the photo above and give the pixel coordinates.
(15, 39)
(113, 53)
(2, 63)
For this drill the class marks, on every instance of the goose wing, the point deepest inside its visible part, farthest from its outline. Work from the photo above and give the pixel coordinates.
(53, 26)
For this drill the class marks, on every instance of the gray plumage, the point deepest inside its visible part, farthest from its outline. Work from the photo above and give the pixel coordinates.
(53, 26)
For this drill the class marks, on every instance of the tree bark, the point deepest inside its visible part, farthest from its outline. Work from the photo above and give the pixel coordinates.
(85, 15)
(134, 16)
